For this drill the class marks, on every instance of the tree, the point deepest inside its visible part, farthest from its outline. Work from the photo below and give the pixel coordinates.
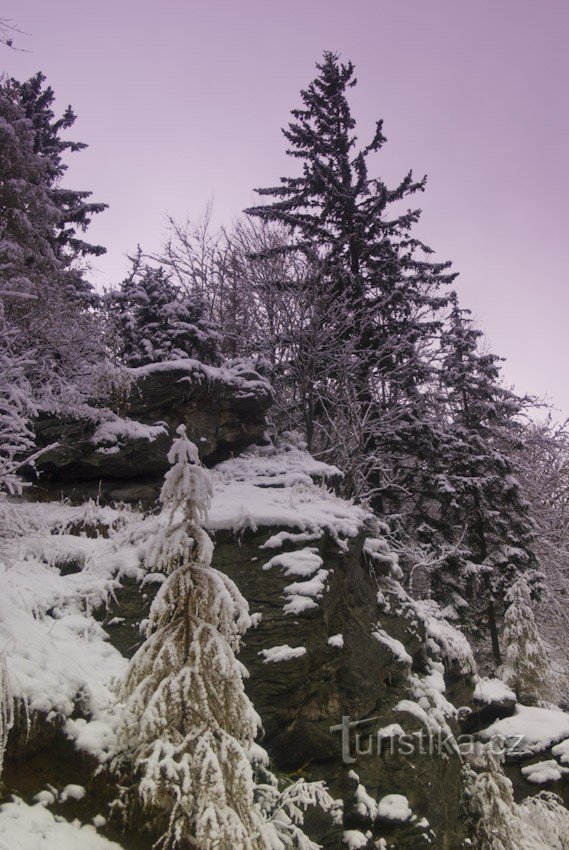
(188, 726)
(499, 823)
(6, 703)
(7, 32)
(75, 210)
(368, 257)
(479, 491)
(39, 291)
(544, 478)
(156, 321)
(526, 666)
(16, 409)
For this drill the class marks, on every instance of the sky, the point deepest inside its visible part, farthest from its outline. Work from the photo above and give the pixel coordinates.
(181, 103)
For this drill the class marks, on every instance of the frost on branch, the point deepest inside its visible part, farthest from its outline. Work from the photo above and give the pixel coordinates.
(5, 710)
(16, 408)
(189, 728)
(526, 666)
(537, 823)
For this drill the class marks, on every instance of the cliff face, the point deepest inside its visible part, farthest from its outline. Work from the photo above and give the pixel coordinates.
(355, 682)
(95, 452)
(337, 638)
(302, 700)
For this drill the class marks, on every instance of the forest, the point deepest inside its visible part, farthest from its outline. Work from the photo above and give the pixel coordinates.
(291, 429)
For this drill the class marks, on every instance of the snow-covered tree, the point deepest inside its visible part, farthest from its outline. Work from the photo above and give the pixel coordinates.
(544, 477)
(475, 475)
(16, 409)
(370, 259)
(156, 321)
(526, 667)
(5, 710)
(537, 823)
(39, 289)
(189, 728)
(75, 210)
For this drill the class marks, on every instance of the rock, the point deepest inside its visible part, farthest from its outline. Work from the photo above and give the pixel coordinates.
(300, 699)
(490, 701)
(222, 408)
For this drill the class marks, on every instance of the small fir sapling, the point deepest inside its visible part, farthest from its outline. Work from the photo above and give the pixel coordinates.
(188, 735)
(526, 667)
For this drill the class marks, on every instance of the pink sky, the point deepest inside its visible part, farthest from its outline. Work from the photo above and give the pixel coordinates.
(182, 101)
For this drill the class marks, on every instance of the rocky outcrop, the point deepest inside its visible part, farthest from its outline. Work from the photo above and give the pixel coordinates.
(302, 700)
(223, 410)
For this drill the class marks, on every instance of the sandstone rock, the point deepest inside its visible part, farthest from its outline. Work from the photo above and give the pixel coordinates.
(222, 408)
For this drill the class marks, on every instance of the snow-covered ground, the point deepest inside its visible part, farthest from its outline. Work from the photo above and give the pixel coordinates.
(54, 578)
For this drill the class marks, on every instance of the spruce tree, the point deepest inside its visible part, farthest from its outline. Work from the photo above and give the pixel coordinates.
(526, 665)
(155, 321)
(371, 260)
(75, 210)
(478, 488)
(187, 740)
(42, 301)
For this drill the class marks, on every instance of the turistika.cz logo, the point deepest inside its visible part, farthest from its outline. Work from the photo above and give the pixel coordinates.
(358, 742)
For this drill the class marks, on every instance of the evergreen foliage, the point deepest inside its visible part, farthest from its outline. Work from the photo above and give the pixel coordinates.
(74, 208)
(189, 728)
(155, 321)
(41, 294)
(476, 475)
(526, 666)
(370, 259)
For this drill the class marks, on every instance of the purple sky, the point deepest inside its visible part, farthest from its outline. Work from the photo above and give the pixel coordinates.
(182, 101)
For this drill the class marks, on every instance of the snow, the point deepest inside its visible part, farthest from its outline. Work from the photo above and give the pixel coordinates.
(45, 797)
(384, 561)
(96, 737)
(544, 772)
(366, 806)
(337, 641)
(298, 604)
(302, 562)
(56, 653)
(392, 730)
(492, 690)
(561, 751)
(354, 839)
(429, 705)
(230, 373)
(267, 487)
(300, 595)
(114, 431)
(394, 646)
(394, 807)
(282, 653)
(530, 729)
(72, 792)
(24, 827)
(445, 640)
(282, 537)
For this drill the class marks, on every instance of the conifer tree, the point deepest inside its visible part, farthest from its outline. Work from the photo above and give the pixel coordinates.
(189, 728)
(39, 291)
(369, 257)
(75, 210)
(156, 321)
(478, 488)
(16, 409)
(526, 666)
(499, 823)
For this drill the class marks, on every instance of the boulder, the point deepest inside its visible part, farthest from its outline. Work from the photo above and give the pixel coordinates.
(222, 408)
